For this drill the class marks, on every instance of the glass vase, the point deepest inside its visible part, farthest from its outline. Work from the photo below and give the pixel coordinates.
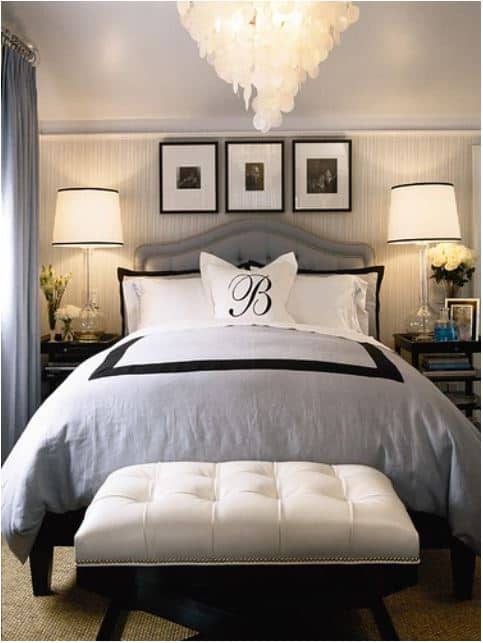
(67, 332)
(451, 289)
(51, 309)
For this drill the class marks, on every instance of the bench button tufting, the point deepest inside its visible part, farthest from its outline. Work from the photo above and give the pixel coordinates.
(246, 511)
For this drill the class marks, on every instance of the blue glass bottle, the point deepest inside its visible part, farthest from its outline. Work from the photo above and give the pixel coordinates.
(445, 329)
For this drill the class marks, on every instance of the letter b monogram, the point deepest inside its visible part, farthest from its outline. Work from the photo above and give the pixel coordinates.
(252, 292)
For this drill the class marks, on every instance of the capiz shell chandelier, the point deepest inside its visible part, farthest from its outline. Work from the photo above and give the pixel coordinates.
(269, 47)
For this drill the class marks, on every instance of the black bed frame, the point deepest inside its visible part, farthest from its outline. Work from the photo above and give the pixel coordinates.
(434, 533)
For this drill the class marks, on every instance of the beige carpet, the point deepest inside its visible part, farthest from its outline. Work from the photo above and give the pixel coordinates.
(425, 612)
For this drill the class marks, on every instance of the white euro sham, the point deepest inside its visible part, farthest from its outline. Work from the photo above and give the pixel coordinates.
(168, 300)
(333, 301)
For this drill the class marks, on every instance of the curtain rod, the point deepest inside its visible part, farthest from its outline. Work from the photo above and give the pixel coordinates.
(28, 51)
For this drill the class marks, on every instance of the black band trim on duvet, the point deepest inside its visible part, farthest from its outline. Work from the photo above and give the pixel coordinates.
(383, 368)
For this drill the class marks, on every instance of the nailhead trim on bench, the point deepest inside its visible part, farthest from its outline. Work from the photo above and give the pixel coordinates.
(242, 561)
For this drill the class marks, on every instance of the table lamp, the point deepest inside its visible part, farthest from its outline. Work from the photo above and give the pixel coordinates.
(423, 213)
(88, 218)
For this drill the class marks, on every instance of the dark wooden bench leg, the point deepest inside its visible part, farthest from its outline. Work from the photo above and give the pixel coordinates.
(463, 567)
(383, 621)
(113, 623)
(41, 559)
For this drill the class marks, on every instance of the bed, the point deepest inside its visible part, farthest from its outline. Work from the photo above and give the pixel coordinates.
(331, 397)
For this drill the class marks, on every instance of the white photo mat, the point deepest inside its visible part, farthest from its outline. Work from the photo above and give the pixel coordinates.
(338, 156)
(238, 197)
(468, 302)
(199, 199)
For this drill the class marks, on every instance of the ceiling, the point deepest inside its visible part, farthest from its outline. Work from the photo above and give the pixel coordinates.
(130, 66)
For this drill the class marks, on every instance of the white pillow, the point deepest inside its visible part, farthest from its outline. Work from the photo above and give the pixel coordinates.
(336, 301)
(168, 300)
(131, 297)
(245, 296)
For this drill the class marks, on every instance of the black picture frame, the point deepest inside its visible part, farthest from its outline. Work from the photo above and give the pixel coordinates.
(162, 172)
(331, 141)
(466, 302)
(228, 143)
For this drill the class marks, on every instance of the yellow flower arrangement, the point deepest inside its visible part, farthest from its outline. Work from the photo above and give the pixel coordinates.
(53, 286)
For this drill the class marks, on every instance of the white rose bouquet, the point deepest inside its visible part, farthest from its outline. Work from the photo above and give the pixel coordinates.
(67, 314)
(453, 264)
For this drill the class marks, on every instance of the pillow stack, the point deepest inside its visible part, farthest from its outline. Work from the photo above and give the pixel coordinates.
(341, 300)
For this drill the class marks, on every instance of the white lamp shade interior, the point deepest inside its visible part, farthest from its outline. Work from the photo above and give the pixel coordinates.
(423, 212)
(87, 217)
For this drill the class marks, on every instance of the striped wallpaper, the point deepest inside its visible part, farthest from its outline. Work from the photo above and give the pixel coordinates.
(130, 162)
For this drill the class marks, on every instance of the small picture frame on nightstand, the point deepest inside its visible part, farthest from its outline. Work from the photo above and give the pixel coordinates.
(466, 314)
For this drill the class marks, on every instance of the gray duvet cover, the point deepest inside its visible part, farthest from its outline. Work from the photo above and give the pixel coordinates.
(244, 392)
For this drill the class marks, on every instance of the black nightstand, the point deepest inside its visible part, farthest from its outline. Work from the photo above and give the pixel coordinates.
(412, 350)
(60, 358)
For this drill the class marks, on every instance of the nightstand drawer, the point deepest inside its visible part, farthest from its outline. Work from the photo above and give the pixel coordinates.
(61, 358)
(71, 352)
(75, 351)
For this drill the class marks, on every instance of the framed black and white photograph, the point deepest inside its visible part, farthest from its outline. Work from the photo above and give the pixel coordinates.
(254, 176)
(188, 177)
(466, 314)
(322, 175)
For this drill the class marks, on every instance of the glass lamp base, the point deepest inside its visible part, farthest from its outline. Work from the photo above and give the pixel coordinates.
(90, 324)
(87, 337)
(421, 323)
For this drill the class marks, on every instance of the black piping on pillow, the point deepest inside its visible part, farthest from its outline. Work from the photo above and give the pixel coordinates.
(126, 272)
(343, 271)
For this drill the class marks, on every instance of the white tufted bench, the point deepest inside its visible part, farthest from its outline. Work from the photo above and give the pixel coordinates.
(248, 514)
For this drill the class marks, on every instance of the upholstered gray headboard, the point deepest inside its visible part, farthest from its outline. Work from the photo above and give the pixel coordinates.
(259, 240)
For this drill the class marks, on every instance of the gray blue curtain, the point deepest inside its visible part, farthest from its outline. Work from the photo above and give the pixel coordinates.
(19, 246)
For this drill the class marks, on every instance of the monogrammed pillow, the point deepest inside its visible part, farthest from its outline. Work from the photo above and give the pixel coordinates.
(245, 296)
